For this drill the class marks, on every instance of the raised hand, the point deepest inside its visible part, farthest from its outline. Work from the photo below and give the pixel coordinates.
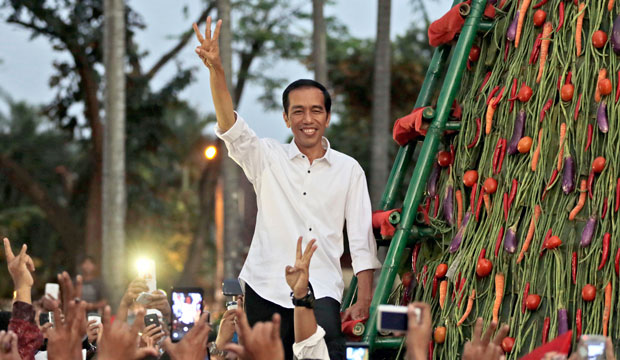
(8, 346)
(20, 267)
(481, 346)
(297, 276)
(419, 331)
(64, 340)
(134, 289)
(120, 340)
(193, 346)
(151, 335)
(227, 328)
(262, 342)
(159, 301)
(209, 49)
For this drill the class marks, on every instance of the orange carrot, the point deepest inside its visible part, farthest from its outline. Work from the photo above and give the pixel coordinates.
(489, 117)
(602, 74)
(579, 27)
(544, 49)
(470, 306)
(607, 308)
(522, 12)
(581, 202)
(610, 5)
(443, 291)
(530, 233)
(487, 202)
(536, 154)
(499, 295)
(459, 207)
(561, 152)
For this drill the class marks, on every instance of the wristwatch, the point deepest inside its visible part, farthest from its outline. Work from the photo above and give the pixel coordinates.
(306, 301)
(214, 351)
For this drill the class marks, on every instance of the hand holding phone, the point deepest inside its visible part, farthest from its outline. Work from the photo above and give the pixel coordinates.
(52, 289)
(357, 351)
(595, 347)
(186, 310)
(143, 298)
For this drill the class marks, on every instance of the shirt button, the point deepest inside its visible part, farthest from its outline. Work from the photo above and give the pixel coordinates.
(308, 171)
(304, 193)
(303, 156)
(310, 229)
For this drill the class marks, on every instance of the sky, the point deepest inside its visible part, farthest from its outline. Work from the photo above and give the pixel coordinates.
(26, 64)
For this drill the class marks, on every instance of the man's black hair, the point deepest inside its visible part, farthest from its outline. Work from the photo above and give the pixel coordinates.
(88, 258)
(304, 83)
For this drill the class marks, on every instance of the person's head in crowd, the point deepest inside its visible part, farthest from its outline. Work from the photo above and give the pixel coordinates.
(88, 267)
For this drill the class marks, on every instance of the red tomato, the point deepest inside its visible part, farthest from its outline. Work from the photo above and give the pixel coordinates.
(484, 267)
(553, 242)
(598, 164)
(588, 293)
(470, 178)
(525, 93)
(440, 334)
(567, 92)
(490, 185)
(539, 17)
(474, 53)
(406, 279)
(444, 158)
(508, 343)
(524, 145)
(599, 39)
(532, 301)
(442, 270)
(604, 86)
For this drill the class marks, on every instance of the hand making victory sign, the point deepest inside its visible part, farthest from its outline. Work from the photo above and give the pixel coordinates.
(297, 276)
(209, 49)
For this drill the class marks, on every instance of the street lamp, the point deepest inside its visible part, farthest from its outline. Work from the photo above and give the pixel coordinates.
(210, 152)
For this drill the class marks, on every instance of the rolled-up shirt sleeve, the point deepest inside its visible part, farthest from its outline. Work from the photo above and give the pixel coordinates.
(313, 347)
(358, 214)
(244, 147)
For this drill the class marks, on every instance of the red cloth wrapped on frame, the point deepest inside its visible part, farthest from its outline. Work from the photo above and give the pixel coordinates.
(444, 29)
(408, 127)
(381, 220)
(349, 329)
(560, 345)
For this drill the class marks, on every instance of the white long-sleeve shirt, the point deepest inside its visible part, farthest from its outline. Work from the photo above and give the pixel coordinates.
(296, 198)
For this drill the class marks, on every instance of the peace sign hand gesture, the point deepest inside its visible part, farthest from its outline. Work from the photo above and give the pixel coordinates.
(209, 49)
(20, 266)
(297, 276)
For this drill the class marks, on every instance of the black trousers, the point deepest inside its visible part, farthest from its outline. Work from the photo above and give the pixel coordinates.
(326, 310)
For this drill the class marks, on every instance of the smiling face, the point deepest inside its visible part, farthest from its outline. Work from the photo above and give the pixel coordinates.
(307, 118)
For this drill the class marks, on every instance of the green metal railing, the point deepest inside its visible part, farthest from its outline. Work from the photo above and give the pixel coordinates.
(424, 163)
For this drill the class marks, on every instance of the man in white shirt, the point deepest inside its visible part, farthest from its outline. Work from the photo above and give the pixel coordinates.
(303, 188)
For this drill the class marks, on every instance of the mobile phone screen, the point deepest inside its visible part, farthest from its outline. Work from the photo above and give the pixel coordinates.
(357, 353)
(186, 310)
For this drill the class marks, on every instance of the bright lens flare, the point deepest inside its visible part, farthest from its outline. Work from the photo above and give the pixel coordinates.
(143, 265)
(210, 152)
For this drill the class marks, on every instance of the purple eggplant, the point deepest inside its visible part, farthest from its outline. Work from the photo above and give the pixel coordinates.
(510, 239)
(517, 133)
(448, 208)
(432, 180)
(568, 174)
(588, 231)
(456, 241)
(512, 29)
(562, 321)
(615, 36)
(601, 118)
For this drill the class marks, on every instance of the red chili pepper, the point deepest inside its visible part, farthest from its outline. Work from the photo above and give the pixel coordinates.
(499, 96)
(617, 205)
(495, 89)
(617, 262)
(472, 198)
(536, 49)
(461, 286)
(618, 88)
(475, 140)
(496, 153)
(577, 107)
(506, 205)
(424, 275)
(605, 255)
(479, 204)
(430, 350)
(414, 257)
(485, 81)
(502, 155)
(498, 242)
(483, 252)
(545, 333)
(590, 183)
(513, 94)
(544, 244)
(436, 209)
(569, 76)
(574, 267)
(427, 209)
(540, 4)
(561, 22)
(578, 323)
(525, 294)
(552, 180)
(506, 50)
(435, 281)
(545, 108)
(604, 212)
(589, 136)
(513, 192)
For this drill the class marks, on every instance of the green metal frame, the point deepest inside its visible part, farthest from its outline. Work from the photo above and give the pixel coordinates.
(417, 184)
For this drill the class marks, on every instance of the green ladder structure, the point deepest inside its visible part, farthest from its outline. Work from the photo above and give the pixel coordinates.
(407, 234)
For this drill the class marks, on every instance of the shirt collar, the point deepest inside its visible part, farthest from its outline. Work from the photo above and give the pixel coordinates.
(293, 150)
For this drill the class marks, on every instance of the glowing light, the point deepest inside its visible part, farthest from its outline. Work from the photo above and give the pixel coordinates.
(210, 152)
(144, 266)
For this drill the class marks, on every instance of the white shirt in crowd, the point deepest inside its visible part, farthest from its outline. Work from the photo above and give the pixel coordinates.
(313, 347)
(296, 198)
